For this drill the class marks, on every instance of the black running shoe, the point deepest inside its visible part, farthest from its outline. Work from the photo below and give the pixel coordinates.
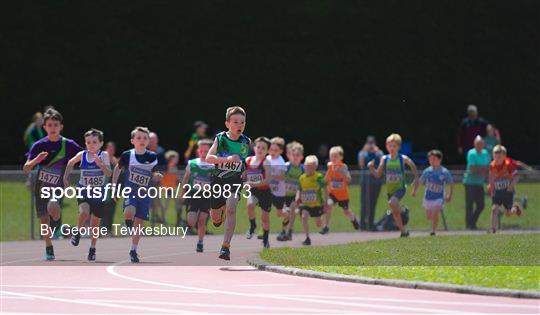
(324, 230)
(266, 244)
(260, 237)
(75, 238)
(289, 235)
(355, 224)
(218, 224)
(225, 253)
(432, 234)
(199, 247)
(282, 237)
(134, 257)
(91, 254)
(405, 234)
(249, 234)
(49, 253)
(307, 242)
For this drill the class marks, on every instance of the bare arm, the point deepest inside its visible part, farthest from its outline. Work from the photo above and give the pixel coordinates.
(30, 164)
(116, 173)
(212, 158)
(104, 164)
(69, 167)
(412, 166)
(450, 192)
(376, 172)
(362, 160)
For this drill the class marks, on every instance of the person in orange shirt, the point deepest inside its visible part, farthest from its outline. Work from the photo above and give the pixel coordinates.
(170, 180)
(338, 178)
(502, 180)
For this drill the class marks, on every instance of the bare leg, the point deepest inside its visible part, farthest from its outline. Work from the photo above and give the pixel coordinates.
(396, 213)
(305, 223)
(44, 219)
(494, 218)
(230, 221)
(94, 222)
(84, 214)
(201, 228)
(137, 223)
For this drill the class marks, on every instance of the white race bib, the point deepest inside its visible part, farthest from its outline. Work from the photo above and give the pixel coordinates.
(49, 176)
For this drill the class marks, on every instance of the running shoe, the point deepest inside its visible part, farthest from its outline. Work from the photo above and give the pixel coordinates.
(134, 257)
(325, 230)
(355, 224)
(92, 254)
(307, 242)
(405, 234)
(225, 253)
(199, 247)
(75, 238)
(49, 253)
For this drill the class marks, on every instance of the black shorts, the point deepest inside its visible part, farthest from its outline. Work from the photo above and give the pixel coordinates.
(289, 200)
(342, 203)
(278, 202)
(503, 198)
(217, 202)
(42, 205)
(97, 207)
(199, 204)
(314, 212)
(264, 198)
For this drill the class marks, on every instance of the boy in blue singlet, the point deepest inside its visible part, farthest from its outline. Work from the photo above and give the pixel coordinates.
(140, 165)
(95, 167)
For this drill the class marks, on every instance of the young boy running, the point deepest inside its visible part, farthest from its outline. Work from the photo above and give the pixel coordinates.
(95, 167)
(312, 195)
(228, 152)
(140, 165)
(393, 166)
(338, 178)
(257, 169)
(502, 181)
(277, 179)
(295, 168)
(435, 177)
(50, 154)
(197, 176)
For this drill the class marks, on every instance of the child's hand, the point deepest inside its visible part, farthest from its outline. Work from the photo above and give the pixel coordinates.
(371, 164)
(447, 199)
(413, 193)
(99, 162)
(158, 177)
(42, 156)
(510, 188)
(233, 158)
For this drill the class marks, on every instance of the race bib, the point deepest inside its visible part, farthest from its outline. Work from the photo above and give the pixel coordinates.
(291, 187)
(393, 177)
(49, 176)
(502, 184)
(436, 188)
(255, 177)
(336, 184)
(309, 196)
(92, 178)
(230, 166)
(201, 181)
(139, 178)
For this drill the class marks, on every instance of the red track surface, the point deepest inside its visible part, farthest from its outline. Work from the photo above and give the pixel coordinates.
(174, 279)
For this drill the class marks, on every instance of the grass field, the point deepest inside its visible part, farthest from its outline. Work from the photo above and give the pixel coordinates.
(503, 261)
(15, 212)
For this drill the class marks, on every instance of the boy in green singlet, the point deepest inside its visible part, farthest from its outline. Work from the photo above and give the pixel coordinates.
(393, 166)
(228, 153)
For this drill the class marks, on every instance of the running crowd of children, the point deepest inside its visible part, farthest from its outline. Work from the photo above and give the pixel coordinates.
(294, 188)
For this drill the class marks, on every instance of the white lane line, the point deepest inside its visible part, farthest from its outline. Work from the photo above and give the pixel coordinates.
(232, 306)
(104, 304)
(111, 270)
(4, 297)
(89, 289)
(268, 285)
(480, 304)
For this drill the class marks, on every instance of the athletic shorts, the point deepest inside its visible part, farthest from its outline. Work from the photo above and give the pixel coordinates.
(503, 198)
(430, 204)
(42, 205)
(262, 198)
(314, 212)
(342, 203)
(399, 194)
(199, 204)
(217, 202)
(142, 206)
(97, 207)
(289, 200)
(278, 202)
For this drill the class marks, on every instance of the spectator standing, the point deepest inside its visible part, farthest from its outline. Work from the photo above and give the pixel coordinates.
(492, 138)
(478, 160)
(471, 126)
(370, 185)
(34, 131)
(200, 129)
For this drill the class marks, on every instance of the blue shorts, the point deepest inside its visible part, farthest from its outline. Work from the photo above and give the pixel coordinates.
(399, 194)
(142, 207)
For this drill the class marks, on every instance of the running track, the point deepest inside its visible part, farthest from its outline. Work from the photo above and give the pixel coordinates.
(174, 279)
